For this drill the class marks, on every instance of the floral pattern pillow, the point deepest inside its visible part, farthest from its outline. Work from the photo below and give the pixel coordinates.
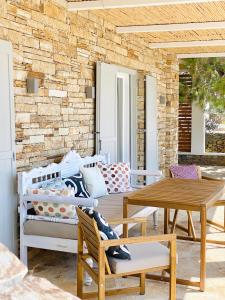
(116, 176)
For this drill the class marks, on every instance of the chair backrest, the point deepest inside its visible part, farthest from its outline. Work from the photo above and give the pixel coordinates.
(185, 168)
(91, 236)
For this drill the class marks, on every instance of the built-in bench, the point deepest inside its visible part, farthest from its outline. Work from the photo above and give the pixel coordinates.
(63, 236)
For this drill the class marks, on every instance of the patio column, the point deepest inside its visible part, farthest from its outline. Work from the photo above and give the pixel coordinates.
(198, 130)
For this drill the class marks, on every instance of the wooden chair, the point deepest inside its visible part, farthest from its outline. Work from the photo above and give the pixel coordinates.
(147, 255)
(191, 230)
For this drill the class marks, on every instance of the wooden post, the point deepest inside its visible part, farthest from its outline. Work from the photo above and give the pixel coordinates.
(203, 249)
(174, 221)
(80, 270)
(101, 274)
(173, 264)
(224, 219)
(166, 220)
(144, 228)
(142, 283)
(125, 215)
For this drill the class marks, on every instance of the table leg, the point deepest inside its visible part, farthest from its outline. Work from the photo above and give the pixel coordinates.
(189, 225)
(125, 215)
(166, 220)
(224, 218)
(203, 250)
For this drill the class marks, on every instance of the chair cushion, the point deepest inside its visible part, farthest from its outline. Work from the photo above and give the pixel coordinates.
(107, 233)
(184, 171)
(50, 229)
(143, 256)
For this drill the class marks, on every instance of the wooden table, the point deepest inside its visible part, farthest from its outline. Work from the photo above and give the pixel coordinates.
(182, 194)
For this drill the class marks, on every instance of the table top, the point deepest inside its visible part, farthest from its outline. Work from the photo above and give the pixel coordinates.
(184, 194)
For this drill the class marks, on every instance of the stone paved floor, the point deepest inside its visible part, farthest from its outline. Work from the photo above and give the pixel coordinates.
(60, 268)
(217, 172)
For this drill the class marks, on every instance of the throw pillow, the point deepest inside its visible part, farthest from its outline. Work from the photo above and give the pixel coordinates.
(77, 183)
(95, 182)
(116, 176)
(184, 171)
(58, 210)
(51, 209)
(107, 233)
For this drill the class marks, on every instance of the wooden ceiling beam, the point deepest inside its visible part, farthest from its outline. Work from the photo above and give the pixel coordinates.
(187, 44)
(110, 4)
(171, 27)
(201, 55)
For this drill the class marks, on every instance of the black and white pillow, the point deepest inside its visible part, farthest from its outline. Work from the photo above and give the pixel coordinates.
(107, 233)
(77, 182)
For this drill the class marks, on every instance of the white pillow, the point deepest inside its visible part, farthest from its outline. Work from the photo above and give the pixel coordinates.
(95, 182)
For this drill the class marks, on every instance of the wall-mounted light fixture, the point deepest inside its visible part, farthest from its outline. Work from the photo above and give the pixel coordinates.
(162, 99)
(33, 85)
(90, 92)
(34, 81)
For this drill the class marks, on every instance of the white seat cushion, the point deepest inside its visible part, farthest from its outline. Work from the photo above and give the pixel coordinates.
(143, 256)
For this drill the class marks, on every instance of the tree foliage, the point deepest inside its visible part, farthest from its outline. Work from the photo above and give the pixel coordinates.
(208, 82)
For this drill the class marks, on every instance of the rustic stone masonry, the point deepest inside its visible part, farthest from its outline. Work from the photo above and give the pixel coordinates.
(61, 49)
(215, 142)
(202, 160)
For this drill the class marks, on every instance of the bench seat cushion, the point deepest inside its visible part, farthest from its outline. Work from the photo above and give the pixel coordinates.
(110, 206)
(143, 256)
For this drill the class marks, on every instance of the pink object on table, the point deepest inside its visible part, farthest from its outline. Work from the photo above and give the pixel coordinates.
(184, 171)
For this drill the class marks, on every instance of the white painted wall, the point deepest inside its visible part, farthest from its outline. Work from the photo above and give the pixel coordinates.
(198, 130)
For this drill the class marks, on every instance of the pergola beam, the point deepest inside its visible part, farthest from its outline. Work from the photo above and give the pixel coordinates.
(201, 55)
(166, 45)
(110, 4)
(171, 27)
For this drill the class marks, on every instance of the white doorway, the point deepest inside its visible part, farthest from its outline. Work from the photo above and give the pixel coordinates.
(123, 118)
(116, 113)
(8, 211)
(151, 147)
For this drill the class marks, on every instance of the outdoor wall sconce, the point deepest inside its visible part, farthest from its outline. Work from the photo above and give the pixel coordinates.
(162, 100)
(90, 92)
(32, 85)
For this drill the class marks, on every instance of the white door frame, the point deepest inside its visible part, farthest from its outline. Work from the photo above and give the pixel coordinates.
(133, 107)
(126, 145)
(6, 48)
(151, 152)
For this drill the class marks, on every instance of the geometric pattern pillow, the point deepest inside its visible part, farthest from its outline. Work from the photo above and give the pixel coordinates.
(116, 176)
(78, 184)
(59, 210)
(107, 233)
(184, 171)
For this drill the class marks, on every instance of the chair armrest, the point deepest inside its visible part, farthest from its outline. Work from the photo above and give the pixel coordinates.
(128, 221)
(146, 173)
(139, 240)
(89, 202)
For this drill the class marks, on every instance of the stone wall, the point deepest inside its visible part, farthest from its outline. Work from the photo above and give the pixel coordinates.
(202, 160)
(61, 49)
(215, 142)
